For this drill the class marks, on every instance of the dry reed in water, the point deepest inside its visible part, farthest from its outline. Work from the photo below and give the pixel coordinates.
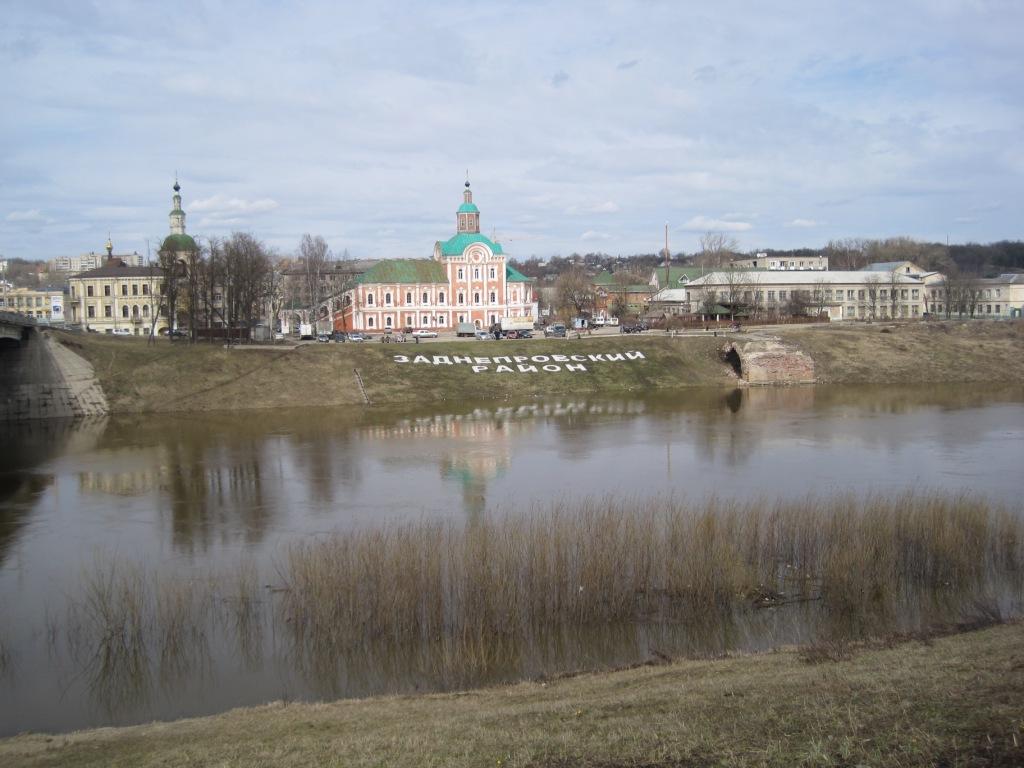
(626, 560)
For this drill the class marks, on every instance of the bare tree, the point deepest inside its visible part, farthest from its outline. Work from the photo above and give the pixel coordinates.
(246, 264)
(872, 286)
(171, 287)
(822, 290)
(316, 258)
(738, 290)
(716, 249)
(574, 290)
(893, 283)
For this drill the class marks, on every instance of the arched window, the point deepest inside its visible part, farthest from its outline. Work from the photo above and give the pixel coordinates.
(426, 320)
(440, 320)
(369, 299)
(369, 322)
(135, 310)
(515, 296)
(145, 310)
(387, 298)
(124, 311)
(426, 297)
(408, 297)
(462, 298)
(492, 273)
(461, 274)
(476, 297)
(440, 298)
(493, 299)
(387, 321)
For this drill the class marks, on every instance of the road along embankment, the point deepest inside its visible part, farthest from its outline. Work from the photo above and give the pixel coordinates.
(136, 376)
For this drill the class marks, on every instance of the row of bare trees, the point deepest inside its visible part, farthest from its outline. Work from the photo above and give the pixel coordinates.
(227, 283)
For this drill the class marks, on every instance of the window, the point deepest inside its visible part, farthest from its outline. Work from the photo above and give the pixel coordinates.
(476, 297)
(387, 321)
(771, 295)
(462, 318)
(88, 291)
(124, 311)
(408, 297)
(135, 310)
(124, 289)
(476, 273)
(782, 295)
(903, 293)
(493, 274)
(91, 311)
(426, 320)
(369, 299)
(145, 290)
(387, 298)
(440, 319)
(883, 294)
(997, 309)
(462, 298)
(914, 293)
(461, 274)
(135, 289)
(108, 311)
(408, 320)
(493, 299)
(440, 298)
(145, 310)
(515, 297)
(860, 295)
(849, 294)
(426, 297)
(369, 322)
(106, 290)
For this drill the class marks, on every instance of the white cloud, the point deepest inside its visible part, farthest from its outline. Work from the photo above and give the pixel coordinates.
(706, 224)
(221, 205)
(605, 207)
(802, 223)
(590, 235)
(31, 215)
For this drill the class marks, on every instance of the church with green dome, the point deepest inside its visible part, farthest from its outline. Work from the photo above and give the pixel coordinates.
(178, 241)
(468, 281)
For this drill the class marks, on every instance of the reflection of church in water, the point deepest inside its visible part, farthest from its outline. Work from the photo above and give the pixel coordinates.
(480, 451)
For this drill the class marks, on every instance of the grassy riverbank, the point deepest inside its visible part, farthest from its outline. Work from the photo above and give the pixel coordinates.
(980, 352)
(951, 701)
(138, 377)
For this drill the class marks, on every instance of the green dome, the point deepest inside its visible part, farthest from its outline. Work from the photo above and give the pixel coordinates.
(468, 208)
(179, 243)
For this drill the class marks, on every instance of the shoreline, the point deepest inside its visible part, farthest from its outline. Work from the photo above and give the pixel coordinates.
(137, 377)
(920, 700)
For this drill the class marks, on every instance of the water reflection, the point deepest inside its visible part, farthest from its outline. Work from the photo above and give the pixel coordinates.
(188, 492)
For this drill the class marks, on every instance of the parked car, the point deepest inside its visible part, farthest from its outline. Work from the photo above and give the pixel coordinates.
(424, 333)
(556, 330)
(356, 337)
(122, 332)
(339, 336)
(482, 335)
(323, 338)
(278, 336)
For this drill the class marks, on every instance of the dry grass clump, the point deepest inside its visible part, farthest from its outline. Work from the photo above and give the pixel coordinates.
(608, 561)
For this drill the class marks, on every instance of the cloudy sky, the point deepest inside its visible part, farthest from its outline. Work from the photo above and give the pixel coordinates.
(584, 126)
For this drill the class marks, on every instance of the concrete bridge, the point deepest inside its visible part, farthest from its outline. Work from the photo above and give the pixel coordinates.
(15, 328)
(41, 378)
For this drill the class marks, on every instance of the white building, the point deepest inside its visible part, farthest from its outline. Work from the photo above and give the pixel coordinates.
(842, 295)
(764, 261)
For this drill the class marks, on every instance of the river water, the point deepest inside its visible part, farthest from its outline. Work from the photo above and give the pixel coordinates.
(195, 493)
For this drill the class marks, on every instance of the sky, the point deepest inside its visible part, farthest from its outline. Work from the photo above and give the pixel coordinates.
(584, 126)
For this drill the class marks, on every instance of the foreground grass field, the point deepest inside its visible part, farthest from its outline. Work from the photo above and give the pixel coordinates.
(952, 701)
(138, 377)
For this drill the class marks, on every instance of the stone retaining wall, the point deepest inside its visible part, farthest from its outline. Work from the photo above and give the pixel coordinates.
(769, 361)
